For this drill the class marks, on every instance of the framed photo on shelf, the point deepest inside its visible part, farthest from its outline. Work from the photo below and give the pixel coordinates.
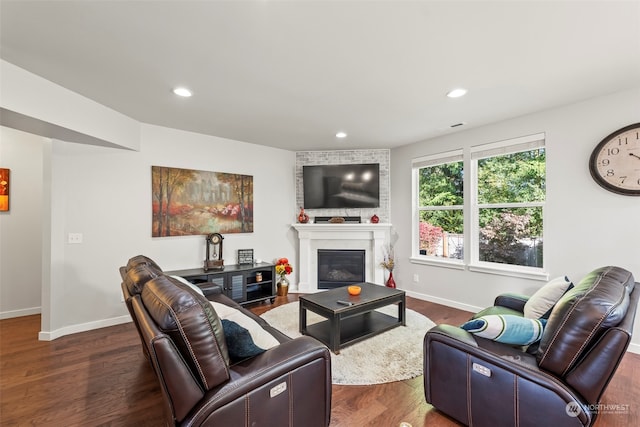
(245, 256)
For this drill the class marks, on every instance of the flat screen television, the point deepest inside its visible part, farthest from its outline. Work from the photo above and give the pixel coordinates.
(341, 186)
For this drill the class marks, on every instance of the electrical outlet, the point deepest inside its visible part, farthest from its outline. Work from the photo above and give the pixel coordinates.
(75, 238)
(416, 278)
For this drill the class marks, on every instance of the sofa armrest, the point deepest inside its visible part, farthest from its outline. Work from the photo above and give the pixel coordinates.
(273, 384)
(209, 289)
(511, 300)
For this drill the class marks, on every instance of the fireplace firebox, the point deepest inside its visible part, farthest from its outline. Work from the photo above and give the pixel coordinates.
(340, 267)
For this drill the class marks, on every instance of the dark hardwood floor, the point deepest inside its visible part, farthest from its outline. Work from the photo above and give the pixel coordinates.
(101, 378)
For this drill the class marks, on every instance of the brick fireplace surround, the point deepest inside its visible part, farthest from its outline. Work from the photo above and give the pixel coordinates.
(370, 237)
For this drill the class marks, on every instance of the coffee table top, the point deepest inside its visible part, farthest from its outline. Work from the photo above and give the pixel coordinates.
(370, 292)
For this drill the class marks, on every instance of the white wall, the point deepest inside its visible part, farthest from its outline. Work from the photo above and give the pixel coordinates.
(105, 194)
(586, 227)
(21, 226)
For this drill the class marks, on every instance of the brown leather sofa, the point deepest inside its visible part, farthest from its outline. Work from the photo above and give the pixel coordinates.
(558, 382)
(289, 384)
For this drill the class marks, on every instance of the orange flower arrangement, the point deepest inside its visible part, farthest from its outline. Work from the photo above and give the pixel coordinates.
(283, 267)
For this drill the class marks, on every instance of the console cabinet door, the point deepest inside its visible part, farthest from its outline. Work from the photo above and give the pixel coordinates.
(235, 288)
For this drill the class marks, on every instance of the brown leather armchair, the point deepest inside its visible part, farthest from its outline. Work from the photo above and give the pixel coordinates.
(289, 384)
(559, 382)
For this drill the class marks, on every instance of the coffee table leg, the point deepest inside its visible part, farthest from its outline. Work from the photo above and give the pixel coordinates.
(302, 317)
(334, 339)
(402, 312)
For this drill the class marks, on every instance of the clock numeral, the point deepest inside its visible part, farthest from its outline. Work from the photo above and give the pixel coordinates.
(613, 151)
(605, 162)
(620, 141)
(610, 172)
(622, 178)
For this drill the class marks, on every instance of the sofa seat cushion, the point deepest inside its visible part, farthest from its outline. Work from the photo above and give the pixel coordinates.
(598, 302)
(257, 334)
(508, 329)
(542, 301)
(193, 325)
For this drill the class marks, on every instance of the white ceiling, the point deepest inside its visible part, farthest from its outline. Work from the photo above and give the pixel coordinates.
(290, 74)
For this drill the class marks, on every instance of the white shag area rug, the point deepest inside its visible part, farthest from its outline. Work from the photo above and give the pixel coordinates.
(393, 355)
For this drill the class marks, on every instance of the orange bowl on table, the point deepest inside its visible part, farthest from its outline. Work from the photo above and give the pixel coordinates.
(354, 290)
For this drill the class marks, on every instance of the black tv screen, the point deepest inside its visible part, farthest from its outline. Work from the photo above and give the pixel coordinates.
(341, 186)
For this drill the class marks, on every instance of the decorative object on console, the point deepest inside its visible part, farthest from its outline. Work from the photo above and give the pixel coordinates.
(282, 269)
(615, 162)
(217, 263)
(303, 218)
(245, 256)
(354, 290)
(388, 264)
(337, 220)
(193, 202)
(375, 219)
(4, 189)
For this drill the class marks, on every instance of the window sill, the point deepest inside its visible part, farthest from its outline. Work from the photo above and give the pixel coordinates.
(438, 262)
(488, 268)
(513, 271)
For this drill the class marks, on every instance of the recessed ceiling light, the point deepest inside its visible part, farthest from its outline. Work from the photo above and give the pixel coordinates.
(182, 91)
(341, 135)
(457, 93)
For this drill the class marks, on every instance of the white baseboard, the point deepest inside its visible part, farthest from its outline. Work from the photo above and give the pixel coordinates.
(19, 313)
(82, 327)
(634, 348)
(443, 301)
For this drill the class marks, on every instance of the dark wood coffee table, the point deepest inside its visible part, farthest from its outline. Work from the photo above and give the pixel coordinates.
(348, 324)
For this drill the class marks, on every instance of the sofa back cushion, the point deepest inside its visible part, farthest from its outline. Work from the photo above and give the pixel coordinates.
(598, 302)
(142, 259)
(137, 276)
(193, 325)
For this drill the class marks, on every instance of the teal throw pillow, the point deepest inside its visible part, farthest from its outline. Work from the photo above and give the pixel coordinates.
(507, 328)
(239, 342)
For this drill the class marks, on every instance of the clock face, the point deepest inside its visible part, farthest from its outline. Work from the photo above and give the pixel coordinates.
(216, 238)
(615, 162)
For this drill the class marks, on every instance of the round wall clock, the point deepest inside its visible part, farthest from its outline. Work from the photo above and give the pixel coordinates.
(615, 162)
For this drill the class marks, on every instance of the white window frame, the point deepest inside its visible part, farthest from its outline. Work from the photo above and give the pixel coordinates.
(471, 207)
(416, 165)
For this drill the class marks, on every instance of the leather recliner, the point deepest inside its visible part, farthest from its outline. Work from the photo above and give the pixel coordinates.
(183, 339)
(558, 382)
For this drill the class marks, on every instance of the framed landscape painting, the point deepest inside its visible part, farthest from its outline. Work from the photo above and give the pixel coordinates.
(191, 202)
(4, 189)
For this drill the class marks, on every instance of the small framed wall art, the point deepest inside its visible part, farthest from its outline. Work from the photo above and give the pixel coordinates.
(4, 189)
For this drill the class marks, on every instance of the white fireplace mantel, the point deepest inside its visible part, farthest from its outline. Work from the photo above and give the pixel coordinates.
(370, 237)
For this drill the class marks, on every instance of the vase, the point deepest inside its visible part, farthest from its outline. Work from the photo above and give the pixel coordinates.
(390, 282)
(282, 286)
(303, 218)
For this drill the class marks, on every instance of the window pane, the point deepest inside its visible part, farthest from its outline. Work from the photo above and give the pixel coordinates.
(441, 233)
(441, 185)
(517, 177)
(511, 236)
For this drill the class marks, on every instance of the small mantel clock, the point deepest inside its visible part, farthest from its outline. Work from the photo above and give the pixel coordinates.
(615, 162)
(214, 259)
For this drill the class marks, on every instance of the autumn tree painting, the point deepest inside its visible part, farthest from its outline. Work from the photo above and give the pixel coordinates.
(190, 202)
